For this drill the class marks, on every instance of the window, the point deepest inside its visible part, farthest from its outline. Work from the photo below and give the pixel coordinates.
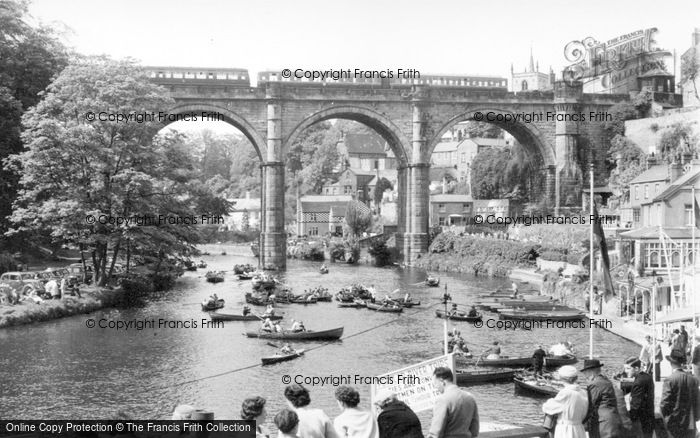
(656, 188)
(441, 208)
(688, 214)
(464, 157)
(646, 191)
(636, 192)
(441, 221)
(313, 231)
(465, 207)
(376, 164)
(347, 190)
(635, 215)
(523, 85)
(312, 217)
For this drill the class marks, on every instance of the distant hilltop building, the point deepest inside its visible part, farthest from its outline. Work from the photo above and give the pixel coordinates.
(531, 79)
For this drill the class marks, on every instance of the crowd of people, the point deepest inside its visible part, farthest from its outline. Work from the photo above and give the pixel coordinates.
(596, 410)
(600, 411)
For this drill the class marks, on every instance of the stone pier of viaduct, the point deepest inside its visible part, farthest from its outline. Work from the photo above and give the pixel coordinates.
(412, 119)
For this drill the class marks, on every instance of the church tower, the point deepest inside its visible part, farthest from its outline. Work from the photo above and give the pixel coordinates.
(531, 79)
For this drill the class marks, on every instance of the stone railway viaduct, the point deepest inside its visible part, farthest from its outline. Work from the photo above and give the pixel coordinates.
(411, 118)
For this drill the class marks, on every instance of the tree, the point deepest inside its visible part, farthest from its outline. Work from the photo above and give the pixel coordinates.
(29, 57)
(483, 130)
(358, 218)
(382, 185)
(629, 161)
(80, 177)
(678, 138)
(690, 70)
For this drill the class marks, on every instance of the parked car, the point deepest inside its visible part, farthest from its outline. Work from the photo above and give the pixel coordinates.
(24, 282)
(59, 274)
(76, 269)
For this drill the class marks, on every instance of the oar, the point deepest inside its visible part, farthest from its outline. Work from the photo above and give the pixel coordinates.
(273, 345)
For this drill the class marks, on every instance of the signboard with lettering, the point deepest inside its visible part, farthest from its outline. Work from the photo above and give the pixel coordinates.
(414, 384)
(611, 63)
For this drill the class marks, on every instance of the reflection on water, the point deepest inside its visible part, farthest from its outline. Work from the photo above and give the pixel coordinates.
(62, 369)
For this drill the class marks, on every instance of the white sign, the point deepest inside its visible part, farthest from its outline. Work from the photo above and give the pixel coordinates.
(413, 385)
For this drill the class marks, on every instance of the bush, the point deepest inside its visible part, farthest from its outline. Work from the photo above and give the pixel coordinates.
(337, 251)
(381, 252)
(7, 262)
(478, 256)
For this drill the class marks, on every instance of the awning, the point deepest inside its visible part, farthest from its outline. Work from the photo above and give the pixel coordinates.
(677, 315)
(456, 215)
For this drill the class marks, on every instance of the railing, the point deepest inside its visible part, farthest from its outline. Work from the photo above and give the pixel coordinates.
(519, 432)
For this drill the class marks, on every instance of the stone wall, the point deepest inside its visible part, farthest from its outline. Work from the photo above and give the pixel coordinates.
(646, 133)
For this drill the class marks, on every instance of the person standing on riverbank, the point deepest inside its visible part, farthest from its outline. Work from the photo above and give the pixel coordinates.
(396, 419)
(353, 422)
(455, 414)
(695, 358)
(641, 398)
(570, 405)
(254, 409)
(313, 423)
(604, 422)
(679, 399)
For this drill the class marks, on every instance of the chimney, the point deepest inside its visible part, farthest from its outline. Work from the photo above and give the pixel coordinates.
(696, 37)
(651, 161)
(675, 171)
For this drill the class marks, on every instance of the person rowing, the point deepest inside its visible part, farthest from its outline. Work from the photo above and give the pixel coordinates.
(298, 326)
(278, 328)
(246, 310)
(267, 326)
(454, 311)
(286, 349)
(472, 312)
(213, 299)
(269, 311)
(493, 352)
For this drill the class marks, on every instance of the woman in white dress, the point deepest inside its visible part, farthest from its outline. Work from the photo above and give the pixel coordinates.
(570, 405)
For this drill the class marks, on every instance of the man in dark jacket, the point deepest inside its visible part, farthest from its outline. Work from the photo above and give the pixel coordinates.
(396, 419)
(604, 419)
(538, 360)
(641, 398)
(679, 399)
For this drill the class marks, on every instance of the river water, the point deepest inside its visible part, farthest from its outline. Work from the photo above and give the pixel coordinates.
(63, 370)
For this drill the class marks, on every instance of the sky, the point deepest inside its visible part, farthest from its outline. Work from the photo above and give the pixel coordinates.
(438, 36)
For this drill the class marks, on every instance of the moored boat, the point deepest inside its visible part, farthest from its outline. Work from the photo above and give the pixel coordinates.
(353, 305)
(201, 265)
(216, 316)
(257, 300)
(308, 335)
(390, 308)
(432, 282)
(542, 316)
(304, 299)
(460, 316)
(264, 281)
(212, 305)
(282, 357)
(477, 376)
(540, 386)
(214, 277)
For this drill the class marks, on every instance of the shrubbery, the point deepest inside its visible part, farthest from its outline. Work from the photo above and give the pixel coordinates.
(478, 256)
(381, 252)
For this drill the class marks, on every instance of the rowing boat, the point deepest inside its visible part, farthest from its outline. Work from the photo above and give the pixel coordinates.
(542, 316)
(461, 316)
(304, 300)
(539, 386)
(522, 362)
(269, 360)
(209, 305)
(355, 305)
(308, 335)
(233, 317)
(476, 376)
(384, 308)
(432, 282)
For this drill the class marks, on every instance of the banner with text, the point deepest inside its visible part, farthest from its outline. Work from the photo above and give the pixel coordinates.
(413, 385)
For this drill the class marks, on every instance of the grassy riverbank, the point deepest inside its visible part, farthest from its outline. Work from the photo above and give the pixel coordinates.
(477, 255)
(92, 299)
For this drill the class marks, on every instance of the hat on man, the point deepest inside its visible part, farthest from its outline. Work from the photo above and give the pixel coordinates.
(589, 364)
(567, 372)
(676, 357)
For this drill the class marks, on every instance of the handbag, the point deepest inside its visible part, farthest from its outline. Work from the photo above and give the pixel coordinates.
(550, 422)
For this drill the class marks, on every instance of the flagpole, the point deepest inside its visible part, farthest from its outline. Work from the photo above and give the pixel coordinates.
(590, 262)
(693, 285)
